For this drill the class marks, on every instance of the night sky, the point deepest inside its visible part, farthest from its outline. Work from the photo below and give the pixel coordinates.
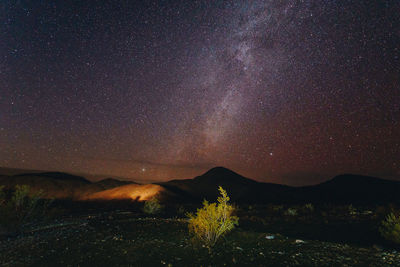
(290, 92)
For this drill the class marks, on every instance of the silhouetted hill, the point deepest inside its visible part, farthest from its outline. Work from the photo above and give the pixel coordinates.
(240, 188)
(353, 188)
(133, 191)
(345, 188)
(354, 181)
(57, 176)
(111, 182)
(221, 174)
(59, 184)
(14, 171)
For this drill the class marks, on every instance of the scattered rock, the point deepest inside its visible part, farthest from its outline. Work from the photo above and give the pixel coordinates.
(377, 247)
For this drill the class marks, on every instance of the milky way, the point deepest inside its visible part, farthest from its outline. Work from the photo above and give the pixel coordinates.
(289, 92)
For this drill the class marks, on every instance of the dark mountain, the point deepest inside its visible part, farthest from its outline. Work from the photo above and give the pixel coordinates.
(59, 184)
(353, 188)
(341, 189)
(53, 185)
(111, 183)
(240, 188)
(134, 192)
(57, 176)
(345, 188)
(221, 174)
(14, 171)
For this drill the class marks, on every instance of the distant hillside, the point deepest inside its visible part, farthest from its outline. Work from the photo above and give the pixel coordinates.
(59, 184)
(62, 176)
(131, 191)
(111, 183)
(14, 171)
(240, 188)
(345, 188)
(353, 188)
(341, 189)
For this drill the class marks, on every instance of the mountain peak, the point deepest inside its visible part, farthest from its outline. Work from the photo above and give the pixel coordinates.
(221, 174)
(220, 171)
(58, 176)
(355, 181)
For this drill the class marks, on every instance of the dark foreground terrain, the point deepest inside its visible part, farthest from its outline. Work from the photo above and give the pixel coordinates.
(267, 236)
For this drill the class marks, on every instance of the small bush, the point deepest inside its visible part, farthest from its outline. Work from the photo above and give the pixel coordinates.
(213, 220)
(352, 210)
(181, 210)
(309, 207)
(390, 228)
(291, 212)
(277, 208)
(152, 206)
(22, 208)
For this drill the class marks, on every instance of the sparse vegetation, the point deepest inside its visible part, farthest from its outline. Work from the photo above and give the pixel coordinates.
(309, 207)
(21, 208)
(213, 220)
(390, 228)
(124, 238)
(181, 210)
(291, 212)
(352, 210)
(277, 208)
(152, 206)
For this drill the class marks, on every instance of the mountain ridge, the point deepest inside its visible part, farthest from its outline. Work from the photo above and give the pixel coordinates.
(59, 184)
(347, 188)
(57, 176)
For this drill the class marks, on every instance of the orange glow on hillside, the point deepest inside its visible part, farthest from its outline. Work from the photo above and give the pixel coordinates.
(130, 191)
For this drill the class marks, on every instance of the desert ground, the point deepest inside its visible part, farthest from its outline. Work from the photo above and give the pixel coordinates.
(99, 234)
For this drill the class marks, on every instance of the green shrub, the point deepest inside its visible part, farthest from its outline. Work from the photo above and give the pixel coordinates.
(22, 208)
(309, 207)
(352, 210)
(277, 208)
(213, 220)
(181, 210)
(291, 212)
(390, 228)
(152, 206)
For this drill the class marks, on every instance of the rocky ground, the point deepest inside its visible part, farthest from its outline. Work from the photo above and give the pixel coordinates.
(129, 239)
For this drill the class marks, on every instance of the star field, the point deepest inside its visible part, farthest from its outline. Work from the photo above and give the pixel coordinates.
(290, 92)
